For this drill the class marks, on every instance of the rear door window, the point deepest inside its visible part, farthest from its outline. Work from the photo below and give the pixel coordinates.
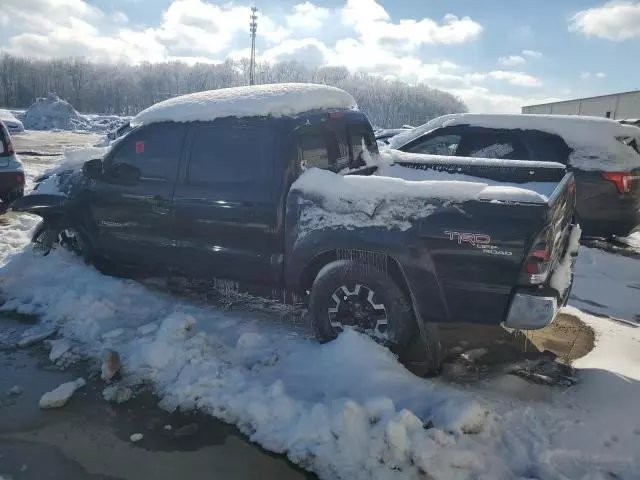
(231, 154)
(490, 143)
(154, 150)
(439, 144)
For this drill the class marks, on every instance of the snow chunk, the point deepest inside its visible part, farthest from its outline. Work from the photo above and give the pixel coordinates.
(136, 437)
(117, 394)
(60, 396)
(275, 100)
(35, 335)
(593, 139)
(561, 278)
(58, 349)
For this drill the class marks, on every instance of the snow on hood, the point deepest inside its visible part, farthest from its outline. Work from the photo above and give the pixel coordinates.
(250, 101)
(592, 139)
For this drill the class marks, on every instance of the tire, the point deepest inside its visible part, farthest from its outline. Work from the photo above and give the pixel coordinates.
(345, 293)
(49, 237)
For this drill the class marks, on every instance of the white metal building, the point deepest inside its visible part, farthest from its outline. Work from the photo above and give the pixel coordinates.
(617, 106)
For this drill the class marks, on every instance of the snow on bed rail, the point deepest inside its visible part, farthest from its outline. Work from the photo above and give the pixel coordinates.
(594, 140)
(390, 156)
(274, 100)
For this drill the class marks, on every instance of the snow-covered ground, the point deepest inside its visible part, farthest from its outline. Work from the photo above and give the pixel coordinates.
(346, 409)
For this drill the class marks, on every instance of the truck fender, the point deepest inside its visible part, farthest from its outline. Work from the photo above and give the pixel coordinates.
(41, 205)
(428, 331)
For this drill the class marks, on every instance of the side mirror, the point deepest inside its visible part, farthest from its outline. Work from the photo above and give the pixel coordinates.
(92, 169)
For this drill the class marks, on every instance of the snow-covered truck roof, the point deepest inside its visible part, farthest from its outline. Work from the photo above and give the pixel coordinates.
(594, 140)
(275, 100)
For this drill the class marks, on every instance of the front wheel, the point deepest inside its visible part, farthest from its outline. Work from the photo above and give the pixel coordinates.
(48, 237)
(345, 294)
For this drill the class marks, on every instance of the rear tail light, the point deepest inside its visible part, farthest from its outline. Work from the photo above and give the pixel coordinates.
(622, 180)
(20, 178)
(537, 265)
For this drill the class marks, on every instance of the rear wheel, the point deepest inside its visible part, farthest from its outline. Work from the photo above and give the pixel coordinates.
(344, 294)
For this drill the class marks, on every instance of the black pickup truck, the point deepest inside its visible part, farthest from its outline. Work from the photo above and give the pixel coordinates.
(298, 202)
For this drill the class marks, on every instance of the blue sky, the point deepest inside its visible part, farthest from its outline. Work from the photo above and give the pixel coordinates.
(496, 55)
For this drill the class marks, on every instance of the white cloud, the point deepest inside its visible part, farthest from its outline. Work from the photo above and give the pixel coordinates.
(308, 51)
(511, 61)
(372, 23)
(307, 16)
(618, 20)
(119, 17)
(587, 75)
(532, 54)
(482, 100)
(514, 78)
(192, 31)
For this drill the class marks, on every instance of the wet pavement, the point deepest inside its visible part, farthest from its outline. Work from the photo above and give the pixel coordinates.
(89, 438)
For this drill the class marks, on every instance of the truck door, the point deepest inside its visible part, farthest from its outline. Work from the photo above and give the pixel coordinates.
(224, 202)
(131, 203)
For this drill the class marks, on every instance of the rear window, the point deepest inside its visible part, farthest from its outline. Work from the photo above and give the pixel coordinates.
(480, 143)
(313, 151)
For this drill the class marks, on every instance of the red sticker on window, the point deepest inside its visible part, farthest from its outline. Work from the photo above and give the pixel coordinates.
(139, 146)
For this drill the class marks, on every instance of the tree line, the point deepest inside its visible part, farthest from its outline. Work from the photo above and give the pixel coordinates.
(123, 89)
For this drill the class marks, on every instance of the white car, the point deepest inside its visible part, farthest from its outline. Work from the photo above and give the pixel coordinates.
(11, 169)
(11, 122)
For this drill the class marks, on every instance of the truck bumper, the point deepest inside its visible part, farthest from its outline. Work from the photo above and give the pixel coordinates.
(531, 312)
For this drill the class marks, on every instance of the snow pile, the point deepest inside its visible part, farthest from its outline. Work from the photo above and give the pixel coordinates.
(275, 100)
(592, 139)
(345, 409)
(53, 113)
(60, 396)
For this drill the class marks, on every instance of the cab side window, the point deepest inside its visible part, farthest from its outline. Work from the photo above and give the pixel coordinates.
(153, 152)
(318, 147)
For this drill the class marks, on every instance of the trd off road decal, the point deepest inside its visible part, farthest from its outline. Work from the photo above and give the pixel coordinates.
(478, 240)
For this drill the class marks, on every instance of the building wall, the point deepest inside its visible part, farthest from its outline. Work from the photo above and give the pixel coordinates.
(623, 105)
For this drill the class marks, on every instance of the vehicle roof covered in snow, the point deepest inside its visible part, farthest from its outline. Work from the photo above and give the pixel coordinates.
(594, 140)
(274, 100)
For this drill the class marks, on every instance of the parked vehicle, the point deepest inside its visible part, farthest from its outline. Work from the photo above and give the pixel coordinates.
(121, 131)
(220, 184)
(11, 122)
(603, 154)
(11, 170)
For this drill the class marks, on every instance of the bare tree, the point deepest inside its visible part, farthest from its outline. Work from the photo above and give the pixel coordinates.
(126, 89)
